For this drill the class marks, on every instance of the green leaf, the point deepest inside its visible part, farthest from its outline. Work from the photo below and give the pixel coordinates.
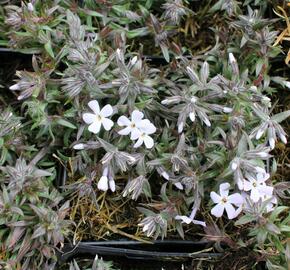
(277, 212)
(243, 145)
(259, 113)
(139, 32)
(272, 228)
(146, 211)
(66, 123)
(279, 117)
(217, 6)
(38, 232)
(245, 219)
(165, 53)
(48, 48)
(93, 13)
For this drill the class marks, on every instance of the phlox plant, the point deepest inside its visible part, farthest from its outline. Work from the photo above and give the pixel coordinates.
(189, 141)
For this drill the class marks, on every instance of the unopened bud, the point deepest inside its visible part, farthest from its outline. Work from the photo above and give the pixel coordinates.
(79, 146)
(30, 7)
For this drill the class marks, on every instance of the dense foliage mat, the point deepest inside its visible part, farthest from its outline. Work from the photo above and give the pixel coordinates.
(144, 120)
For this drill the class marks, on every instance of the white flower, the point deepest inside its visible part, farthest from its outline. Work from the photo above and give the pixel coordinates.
(258, 186)
(224, 201)
(103, 183)
(132, 126)
(234, 165)
(227, 110)
(287, 84)
(112, 184)
(14, 87)
(106, 181)
(165, 175)
(232, 58)
(145, 129)
(272, 142)
(188, 220)
(99, 117)
(79, 146)
(30, 7)
(143, 136)
(178, 185)
(139, 128)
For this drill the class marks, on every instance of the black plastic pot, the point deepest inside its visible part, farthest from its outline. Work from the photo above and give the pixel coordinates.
(159, 252)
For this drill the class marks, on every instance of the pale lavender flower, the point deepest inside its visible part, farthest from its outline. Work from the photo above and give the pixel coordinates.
(99, 117)
(224, 201)
(257, 186)
(131, 126)
(145, 129)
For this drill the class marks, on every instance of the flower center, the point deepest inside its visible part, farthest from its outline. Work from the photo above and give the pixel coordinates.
(99, 117)
(255, 184)
(224, 200)
(133, 125)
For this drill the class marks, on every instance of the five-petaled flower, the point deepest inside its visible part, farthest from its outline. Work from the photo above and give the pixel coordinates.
(225, 201)
(131, 126)
(139, 128)
(145, 129)
(257, 186)
(99, 117)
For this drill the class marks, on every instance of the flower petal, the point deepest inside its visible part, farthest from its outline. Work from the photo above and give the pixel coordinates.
(107, 123)
(103, 183)
(192, 116)
(234, 165)
(14, 87)
(94, 105)
(247, 185)
(125, 131)
(79, 146)
(265, 190)
(149, 142)
(197, 222)
(135, 134)
(89, 118)
(236, 199)
(178, 185)
(137, 116)
(224, 189)
(107, 111)
(231, 212)
(255, 195)
(215, 197)
(184, 219)
(138, 143)
(123, 121)
(261, 177)
(112, 185)
(95, 127)
(146, 126)
(218, 210)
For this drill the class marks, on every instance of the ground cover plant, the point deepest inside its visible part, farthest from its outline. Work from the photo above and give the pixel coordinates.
(145, 119)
